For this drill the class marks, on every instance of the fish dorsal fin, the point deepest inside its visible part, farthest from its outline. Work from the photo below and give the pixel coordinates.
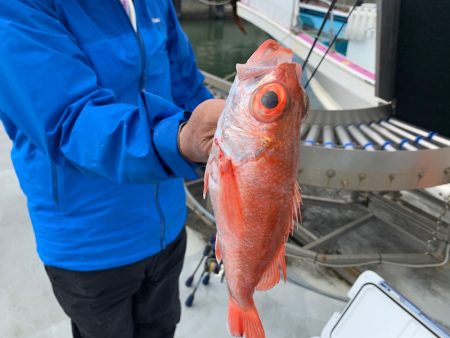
(296, 203)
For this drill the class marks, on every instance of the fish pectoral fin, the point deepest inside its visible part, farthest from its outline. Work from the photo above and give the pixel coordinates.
(230, 198)
(271, 275)
(244, 321)
(218, 250)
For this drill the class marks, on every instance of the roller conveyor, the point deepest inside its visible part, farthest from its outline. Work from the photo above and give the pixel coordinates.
(418, 139)
(360, 138)
(313, 135)
(431, 135)
(367, 150)
(328, 137)
(401, 142)
(367, 129)
(344, 137)
(383, 143)
(303, 129)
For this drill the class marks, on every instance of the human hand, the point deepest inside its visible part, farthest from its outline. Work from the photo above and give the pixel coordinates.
(196, 136)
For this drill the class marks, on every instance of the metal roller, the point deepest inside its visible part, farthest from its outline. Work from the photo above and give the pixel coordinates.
(417, 139)
(303, 129)
(403, 143)
(431, 135)
(385, 144)
(344, 137)
(360, 138)
(313, 135)
(328, 137)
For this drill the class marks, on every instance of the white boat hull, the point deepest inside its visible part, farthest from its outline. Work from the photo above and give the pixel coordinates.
(338, 83)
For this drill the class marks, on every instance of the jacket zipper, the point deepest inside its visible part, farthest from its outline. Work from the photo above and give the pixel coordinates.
(142, 80)
(141, 45)
(161, 218)
(55, 183)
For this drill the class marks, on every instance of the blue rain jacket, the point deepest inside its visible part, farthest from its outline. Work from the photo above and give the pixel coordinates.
(93, 110)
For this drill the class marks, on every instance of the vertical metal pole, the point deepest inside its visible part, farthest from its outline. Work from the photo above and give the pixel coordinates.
(388, 18)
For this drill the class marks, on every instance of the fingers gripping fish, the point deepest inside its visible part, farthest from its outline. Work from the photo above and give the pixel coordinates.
(251, 179)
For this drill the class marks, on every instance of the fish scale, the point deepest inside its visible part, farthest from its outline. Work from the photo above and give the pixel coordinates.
(251, 179)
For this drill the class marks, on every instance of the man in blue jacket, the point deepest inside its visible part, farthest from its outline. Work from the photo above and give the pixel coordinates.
(95, 96)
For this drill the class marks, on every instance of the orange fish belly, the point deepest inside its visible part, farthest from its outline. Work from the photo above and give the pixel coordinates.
(256, 203)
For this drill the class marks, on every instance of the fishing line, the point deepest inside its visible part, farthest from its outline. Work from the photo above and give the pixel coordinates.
(357, 3)
(324, 21)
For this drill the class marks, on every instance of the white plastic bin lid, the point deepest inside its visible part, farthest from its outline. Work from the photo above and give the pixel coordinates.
(378, 311)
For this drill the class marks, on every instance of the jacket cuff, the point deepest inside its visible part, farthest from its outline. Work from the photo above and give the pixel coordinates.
(165, 138)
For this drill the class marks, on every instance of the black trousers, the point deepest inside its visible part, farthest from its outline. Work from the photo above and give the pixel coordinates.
(132, 301)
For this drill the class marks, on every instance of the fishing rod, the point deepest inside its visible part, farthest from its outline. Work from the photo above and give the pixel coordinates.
(357, 3)
(210, 265)
(324, 21)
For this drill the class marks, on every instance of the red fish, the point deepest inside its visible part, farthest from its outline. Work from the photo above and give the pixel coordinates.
(251, 178)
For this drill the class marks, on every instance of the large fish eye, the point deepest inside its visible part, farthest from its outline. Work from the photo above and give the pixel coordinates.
(269, 99)
(268, 102)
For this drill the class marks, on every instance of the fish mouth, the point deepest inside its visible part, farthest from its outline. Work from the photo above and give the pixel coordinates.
(271, 53)
(265, 59)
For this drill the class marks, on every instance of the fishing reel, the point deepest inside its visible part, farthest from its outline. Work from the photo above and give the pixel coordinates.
(210, 265)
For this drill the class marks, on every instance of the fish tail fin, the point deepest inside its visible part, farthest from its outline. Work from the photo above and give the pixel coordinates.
(244, 321)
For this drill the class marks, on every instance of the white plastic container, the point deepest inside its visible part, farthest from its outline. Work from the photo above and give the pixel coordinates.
(361, 34)
(376, 310)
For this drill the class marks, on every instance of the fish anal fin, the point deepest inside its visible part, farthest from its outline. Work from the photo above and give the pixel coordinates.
(282, 261)
(270, 278)
(244, 321)
(271, 275)
(218, 250)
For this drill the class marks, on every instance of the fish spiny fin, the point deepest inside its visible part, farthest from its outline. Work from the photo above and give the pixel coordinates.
(271, 275)
(218, 250)
(244, 321)
(296, 202)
